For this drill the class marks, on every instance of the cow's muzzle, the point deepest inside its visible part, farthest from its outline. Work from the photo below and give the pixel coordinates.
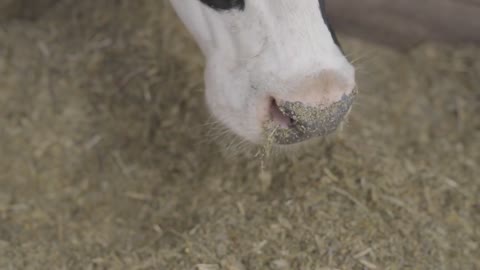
(294, 122)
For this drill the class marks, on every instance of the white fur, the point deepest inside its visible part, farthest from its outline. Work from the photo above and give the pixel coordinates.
(263, 51)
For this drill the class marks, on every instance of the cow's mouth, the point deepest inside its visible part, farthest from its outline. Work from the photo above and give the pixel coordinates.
(278, 116)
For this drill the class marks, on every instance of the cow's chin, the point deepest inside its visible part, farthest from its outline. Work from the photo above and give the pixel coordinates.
(242, 129)
(246, 136)
(234, 124)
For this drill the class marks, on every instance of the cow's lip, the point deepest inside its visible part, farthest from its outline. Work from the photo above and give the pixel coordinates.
(278, 116)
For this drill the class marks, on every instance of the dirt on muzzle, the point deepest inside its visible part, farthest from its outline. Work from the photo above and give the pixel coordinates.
(309, 121)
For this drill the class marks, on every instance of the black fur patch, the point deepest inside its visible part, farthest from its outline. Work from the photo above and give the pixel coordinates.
(240, 5)
(224, 4)
(325, 19)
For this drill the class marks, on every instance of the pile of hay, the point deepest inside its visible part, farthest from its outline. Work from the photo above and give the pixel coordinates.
(106, 163)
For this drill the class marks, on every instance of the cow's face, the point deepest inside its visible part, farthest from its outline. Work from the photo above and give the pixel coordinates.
(274, 67)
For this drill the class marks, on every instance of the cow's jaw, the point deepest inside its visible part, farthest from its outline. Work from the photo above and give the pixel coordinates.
(272, 67)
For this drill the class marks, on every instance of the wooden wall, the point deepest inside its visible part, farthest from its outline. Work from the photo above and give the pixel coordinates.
(397, 23)
(404, 23)
(24, 9)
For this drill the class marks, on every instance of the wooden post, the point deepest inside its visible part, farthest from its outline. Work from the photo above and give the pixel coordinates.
(23, 9)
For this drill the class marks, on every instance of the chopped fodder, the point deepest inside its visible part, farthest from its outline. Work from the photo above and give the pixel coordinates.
(104, 163)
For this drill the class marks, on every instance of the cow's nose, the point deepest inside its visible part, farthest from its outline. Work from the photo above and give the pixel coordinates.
(294, 122)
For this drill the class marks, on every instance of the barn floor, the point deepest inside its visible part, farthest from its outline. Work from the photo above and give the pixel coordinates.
(107, 161)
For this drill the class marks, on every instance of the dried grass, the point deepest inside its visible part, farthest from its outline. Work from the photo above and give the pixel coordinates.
(104, 163)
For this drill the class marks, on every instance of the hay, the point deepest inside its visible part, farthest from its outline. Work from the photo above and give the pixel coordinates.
(104, 164)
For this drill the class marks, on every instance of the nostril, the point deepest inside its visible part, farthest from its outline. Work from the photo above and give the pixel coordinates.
(278, 116)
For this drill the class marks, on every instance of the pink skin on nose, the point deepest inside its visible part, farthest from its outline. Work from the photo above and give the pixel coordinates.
(321, 90)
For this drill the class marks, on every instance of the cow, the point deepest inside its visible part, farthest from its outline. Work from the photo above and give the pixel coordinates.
(274, 68)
